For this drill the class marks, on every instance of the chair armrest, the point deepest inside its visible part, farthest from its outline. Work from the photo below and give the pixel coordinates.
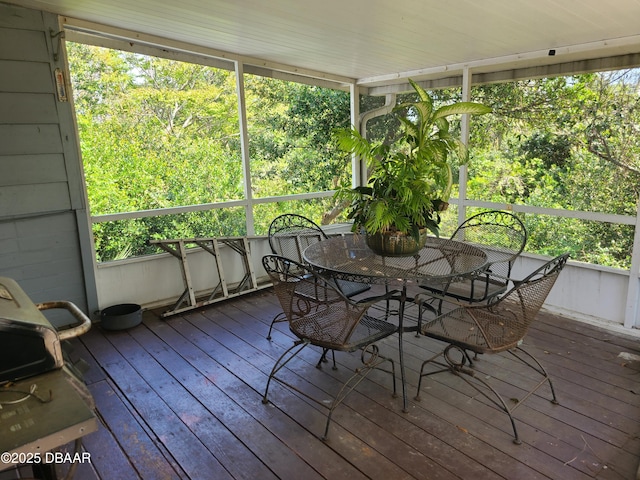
(390, 295)
(515, 281)
(420, 299)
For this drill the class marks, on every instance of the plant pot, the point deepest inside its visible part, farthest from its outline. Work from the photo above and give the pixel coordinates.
(395, 244)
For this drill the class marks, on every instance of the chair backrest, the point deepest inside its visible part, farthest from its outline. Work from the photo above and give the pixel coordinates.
(501, 234)
(290, 234)
(316, 310)
(508, 318)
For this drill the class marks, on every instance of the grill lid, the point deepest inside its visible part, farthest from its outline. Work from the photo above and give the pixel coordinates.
(29, 344)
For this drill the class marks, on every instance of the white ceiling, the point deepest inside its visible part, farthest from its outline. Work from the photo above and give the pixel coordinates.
(377, 41)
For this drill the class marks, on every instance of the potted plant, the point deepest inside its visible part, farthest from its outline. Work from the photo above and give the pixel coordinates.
(410, 180)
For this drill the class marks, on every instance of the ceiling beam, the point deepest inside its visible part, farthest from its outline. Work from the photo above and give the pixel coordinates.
(104, 35)
(617, 62)
(568, 55)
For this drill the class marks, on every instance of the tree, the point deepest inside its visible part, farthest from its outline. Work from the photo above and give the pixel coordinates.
(565, 142)
(157, 133)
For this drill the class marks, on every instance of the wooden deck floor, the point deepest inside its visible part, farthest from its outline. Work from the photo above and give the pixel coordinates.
(181, 398)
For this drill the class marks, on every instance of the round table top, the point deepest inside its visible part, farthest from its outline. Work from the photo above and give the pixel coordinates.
(349, 258)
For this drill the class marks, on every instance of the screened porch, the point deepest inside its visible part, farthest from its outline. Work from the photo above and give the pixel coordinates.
(180, 396)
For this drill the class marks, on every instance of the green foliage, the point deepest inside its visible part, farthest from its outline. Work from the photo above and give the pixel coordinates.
(569, 143)
(122, 239)
(156, 133)
(142, 138)
(315, 209)
(289, 131)
(553, 150)
(410, 178)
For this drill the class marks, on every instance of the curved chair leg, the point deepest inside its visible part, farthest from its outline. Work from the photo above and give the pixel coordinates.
(498, 401)
(537, 366)
(445, 368)
(281, 317)
(280, 364)
(371, 359)
(459, 368)
(323, 359)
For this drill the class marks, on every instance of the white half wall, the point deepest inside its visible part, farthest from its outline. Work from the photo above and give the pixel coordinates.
(583, 291)
(156, 280)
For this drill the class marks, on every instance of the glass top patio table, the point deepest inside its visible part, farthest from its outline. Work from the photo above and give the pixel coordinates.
(349, 258)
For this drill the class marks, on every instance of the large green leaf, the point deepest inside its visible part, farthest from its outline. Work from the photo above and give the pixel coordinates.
(424, 96)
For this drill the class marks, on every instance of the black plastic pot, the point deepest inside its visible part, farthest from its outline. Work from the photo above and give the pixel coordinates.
(121, 317)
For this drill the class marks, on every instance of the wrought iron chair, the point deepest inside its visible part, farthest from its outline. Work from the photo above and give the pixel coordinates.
(498, 326)
(289, 235)
(319, 314)
(503, 237)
